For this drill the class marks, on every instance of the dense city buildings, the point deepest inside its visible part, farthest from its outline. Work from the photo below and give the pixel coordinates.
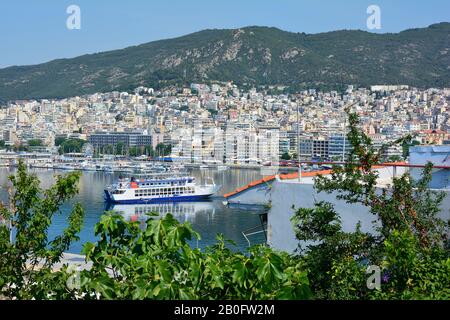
(222, 123)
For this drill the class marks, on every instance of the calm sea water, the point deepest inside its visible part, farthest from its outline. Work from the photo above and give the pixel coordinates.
(207, 217)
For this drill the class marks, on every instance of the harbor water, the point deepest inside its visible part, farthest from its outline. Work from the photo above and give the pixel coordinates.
(208, 218)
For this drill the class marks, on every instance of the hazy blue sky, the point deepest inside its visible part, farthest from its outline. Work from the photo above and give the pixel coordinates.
(35, 31)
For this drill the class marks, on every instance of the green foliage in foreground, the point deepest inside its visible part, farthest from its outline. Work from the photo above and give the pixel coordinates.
(409, 245)
(26, 264)
(158, 263)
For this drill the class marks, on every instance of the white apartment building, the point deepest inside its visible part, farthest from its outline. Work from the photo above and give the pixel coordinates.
(231, 146)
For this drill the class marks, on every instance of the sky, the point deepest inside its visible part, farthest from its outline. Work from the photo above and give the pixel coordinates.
(33, 31)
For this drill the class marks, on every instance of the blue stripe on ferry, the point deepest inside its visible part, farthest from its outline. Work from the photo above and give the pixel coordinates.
(156, 200)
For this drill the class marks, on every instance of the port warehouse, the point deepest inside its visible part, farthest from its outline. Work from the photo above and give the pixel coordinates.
(286, 193)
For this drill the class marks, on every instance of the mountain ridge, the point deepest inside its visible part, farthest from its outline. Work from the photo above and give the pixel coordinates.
(254, 55)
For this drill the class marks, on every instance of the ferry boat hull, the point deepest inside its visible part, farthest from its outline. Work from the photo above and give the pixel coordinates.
(181, 198)
(161, 190)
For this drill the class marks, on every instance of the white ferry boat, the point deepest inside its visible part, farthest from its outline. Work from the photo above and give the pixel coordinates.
(158, 189)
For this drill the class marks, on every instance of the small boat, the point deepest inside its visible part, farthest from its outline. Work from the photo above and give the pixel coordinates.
(109, 169)
(62, 166)
(222, 168)
(126, 170)
(86, 166)
(158, 189)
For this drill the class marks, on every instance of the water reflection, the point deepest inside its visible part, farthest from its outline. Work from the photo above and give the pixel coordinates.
(183, 211)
